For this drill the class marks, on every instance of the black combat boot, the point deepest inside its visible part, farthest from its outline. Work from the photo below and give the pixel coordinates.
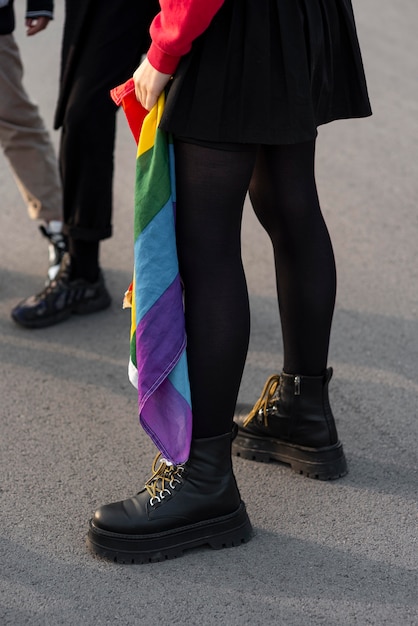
(292, 422)
(181, 507)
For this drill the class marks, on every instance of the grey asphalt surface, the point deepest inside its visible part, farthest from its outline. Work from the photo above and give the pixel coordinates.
(328, 553)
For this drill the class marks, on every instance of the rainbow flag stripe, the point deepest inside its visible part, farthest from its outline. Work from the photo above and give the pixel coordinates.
(158, 364)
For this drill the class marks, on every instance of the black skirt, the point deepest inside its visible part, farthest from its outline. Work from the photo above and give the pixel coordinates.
(269, 71)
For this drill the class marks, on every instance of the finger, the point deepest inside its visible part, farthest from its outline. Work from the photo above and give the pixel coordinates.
(143, 98)
(36, 25)
(151, 100)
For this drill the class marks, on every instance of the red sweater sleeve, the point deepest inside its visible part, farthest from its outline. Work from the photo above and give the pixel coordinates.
(174, 29)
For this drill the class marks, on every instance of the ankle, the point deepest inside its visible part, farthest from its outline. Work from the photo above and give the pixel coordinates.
(84, 260)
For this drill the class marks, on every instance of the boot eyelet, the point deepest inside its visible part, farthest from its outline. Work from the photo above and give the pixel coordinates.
(164, 476)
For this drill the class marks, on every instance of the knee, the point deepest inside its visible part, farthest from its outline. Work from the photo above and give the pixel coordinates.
(265, 208)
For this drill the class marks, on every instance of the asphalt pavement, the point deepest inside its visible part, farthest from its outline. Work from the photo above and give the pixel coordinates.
(324, 553)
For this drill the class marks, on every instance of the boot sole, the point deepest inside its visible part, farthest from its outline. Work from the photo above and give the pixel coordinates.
(83, 308)
(327, 463)
(222, 532)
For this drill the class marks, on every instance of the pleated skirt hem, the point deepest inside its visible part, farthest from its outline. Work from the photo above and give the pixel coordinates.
(271, 72)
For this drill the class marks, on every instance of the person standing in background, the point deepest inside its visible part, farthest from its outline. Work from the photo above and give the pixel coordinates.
(23, 137)
(102, 45)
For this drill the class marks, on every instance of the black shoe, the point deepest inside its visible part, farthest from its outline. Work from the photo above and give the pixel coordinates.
(57, 247)
(181, 507)
(292, 423)
(61, 298)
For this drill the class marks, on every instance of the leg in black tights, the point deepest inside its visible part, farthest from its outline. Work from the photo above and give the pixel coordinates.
(284, 196)
(211, 189)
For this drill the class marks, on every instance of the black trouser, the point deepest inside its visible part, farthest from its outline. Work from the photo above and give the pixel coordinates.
(108, 55)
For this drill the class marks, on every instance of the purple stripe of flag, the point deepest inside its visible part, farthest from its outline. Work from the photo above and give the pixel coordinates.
(159, 344)
(172, 432)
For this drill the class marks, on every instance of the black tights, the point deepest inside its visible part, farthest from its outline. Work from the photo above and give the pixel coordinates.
(211, 189)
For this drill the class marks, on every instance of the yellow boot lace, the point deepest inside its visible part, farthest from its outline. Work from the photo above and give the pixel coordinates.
(264, 403)
(163, 480)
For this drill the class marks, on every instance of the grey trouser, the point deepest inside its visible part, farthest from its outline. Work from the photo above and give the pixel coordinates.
(25, 140)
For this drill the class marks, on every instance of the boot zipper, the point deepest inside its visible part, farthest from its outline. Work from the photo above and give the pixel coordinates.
(297, 385)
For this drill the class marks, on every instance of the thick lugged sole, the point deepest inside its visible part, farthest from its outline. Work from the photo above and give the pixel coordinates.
(222, 532)
(81, 308)
(327, 463)
(42, 322)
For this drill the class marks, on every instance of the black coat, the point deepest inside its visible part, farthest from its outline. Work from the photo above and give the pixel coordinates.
(33, 7)
(81, 19)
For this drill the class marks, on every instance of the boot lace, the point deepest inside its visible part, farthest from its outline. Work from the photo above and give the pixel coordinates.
(265, 404)
(164, 479)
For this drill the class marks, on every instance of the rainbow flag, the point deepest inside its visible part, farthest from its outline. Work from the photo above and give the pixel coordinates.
(157, 365)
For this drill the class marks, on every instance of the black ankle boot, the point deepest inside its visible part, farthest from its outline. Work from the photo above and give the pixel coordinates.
(292, 422)
(181, 506)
